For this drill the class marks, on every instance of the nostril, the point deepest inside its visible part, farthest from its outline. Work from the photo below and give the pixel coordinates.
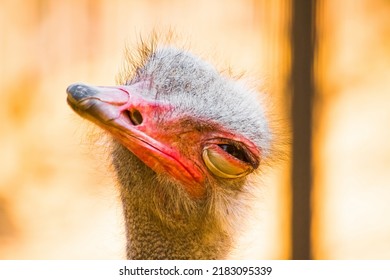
(135, 117)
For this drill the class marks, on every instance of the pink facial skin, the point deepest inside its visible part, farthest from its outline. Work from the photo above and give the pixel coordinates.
(166, 146)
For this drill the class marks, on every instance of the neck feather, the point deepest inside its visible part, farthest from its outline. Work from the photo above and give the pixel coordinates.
(148, 237)
(161, 221)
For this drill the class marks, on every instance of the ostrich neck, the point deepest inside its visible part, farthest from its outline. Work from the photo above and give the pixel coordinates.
(149, 238)
(150, 235)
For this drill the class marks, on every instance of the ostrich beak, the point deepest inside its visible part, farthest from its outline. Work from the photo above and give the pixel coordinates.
(131, 119)
(85, 100)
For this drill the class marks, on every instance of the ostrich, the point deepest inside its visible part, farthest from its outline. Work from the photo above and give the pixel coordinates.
(187, 142)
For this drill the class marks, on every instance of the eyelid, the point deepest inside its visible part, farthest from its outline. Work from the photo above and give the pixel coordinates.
(224, 165)
(250, 150)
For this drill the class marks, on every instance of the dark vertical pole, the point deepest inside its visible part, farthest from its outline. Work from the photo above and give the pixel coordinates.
(302, 85)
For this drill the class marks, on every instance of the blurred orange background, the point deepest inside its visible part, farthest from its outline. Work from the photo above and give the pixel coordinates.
(57, 197)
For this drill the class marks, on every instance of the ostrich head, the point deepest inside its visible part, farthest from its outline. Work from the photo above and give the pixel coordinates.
(186, 142)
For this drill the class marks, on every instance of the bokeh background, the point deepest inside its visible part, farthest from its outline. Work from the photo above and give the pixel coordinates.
(57, 196)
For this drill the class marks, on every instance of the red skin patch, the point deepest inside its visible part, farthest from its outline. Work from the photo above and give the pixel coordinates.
(168, 147)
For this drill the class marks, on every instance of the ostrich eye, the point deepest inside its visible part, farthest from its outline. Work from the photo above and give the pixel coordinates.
(234, 151)
(226, 161)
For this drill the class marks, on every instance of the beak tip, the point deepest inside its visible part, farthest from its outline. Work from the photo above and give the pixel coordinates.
(71, 88)
(78, 91)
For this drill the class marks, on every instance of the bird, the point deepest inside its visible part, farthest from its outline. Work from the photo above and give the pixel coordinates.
(187, 144)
